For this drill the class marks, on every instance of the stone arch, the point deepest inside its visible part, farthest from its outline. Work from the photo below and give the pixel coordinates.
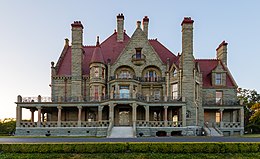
(124, 71)
(152, 68)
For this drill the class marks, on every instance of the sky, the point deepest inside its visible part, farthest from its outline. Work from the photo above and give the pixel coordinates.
(32, 35)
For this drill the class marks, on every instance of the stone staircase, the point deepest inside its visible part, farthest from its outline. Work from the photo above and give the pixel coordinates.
(121, 132)
(212, 132)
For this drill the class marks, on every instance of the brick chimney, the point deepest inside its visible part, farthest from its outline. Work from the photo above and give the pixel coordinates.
(222, 52)
(145, 25)
(120, 27)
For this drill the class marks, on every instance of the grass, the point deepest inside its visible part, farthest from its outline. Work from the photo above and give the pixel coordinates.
(252, 135)
(129, 155)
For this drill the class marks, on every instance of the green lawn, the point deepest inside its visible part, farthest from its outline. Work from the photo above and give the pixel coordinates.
(129, 155)
(251, 135)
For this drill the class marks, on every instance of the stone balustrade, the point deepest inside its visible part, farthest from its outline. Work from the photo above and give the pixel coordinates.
(142, 123)
(230, 125)
(103, 123)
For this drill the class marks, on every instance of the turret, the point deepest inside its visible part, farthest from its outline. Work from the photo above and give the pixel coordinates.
(120, 27)
(97, 73)
(76, 60)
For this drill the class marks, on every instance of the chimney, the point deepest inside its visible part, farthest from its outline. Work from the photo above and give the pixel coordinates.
(76, 59)
(222, 52)
(138, 24)
(145, 25)
(187, 37)
(120, 27)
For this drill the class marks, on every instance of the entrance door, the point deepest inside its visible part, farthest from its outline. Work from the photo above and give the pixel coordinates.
(124, 118)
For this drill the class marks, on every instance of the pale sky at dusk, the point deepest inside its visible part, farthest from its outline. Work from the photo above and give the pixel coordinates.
(32, 35)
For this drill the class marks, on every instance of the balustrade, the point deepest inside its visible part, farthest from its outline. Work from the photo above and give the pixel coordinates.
(142, 123)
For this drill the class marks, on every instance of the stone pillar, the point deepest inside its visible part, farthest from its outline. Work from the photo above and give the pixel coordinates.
(134, 106)
(18, 116)
(165, 115)
(164, 90)
(183, 110)
(242, 117)
(39, 116)
(111, 112)
(147, 117)
(234, 115)
(221, 117)
(59, 116)
(79, 115)
(100, 108)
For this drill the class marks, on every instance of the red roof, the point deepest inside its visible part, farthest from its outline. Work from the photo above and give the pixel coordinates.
(162, 51)
(97, 55)
(206, 67)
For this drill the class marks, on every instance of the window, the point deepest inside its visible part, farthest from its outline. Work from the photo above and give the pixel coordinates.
(197, 91)
(103, 73)
(124, 92)
(124, 74)
(151, 76)
(138, 54)
(174, 73)
(219, 97)
(218, 79)
(188, 114)
(217, 117)
(157, 95)
(175, 91)
(96, 92)
(96, 72)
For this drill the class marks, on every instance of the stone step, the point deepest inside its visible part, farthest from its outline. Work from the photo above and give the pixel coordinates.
(121, 132)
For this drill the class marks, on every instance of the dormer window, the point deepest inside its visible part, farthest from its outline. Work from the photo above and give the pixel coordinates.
(218, 79)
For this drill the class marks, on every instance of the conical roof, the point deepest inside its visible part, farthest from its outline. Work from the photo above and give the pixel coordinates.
(97, 54)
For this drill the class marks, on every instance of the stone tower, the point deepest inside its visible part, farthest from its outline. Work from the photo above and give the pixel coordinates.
(76, 60)
(97, 73)
(187, 65)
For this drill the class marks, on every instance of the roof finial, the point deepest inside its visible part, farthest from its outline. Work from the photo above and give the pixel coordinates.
(97, 41)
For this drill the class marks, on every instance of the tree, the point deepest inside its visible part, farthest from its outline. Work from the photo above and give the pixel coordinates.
(251, 100)
(7, 128)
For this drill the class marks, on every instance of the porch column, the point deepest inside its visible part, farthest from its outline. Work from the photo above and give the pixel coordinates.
(183, 111)
(234, 115)
(100, 108)
(18, 116)
(147, 118)
(32, 115)
(59, 116)
(39, 116)
(164, 94)
(111, 112)
(134, 105)
(165, 115)
(242, 117)
(221, 117)
(79, 115)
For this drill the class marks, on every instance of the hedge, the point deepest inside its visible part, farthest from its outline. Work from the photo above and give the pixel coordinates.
(131, 147)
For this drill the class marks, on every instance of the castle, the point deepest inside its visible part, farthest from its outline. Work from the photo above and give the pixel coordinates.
(137, 86)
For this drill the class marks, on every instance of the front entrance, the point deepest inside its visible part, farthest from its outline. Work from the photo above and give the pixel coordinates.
(124, 118)
(123, 115)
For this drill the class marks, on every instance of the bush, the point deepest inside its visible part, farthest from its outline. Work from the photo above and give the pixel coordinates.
(131, 147)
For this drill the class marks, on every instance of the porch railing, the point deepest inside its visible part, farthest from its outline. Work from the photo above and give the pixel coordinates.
(142, 123)
(103, 123)
(213, 102)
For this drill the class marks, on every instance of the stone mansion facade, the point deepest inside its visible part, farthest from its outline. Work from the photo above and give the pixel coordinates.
(136, 83)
